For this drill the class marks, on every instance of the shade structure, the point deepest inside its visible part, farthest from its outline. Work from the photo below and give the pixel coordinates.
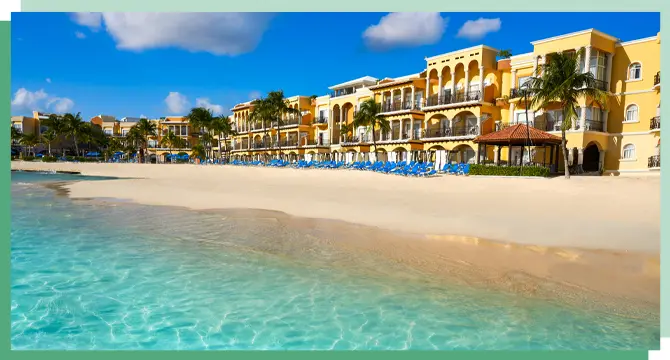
(519, 135)
(92, 153)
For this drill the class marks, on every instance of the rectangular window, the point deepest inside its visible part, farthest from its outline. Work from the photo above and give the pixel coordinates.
(597, 64)
(108, 132)
(523, 80)
(520, 118)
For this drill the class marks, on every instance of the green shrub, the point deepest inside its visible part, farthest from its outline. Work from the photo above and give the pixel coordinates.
(49, 159)
(476, 169)
(28, 158)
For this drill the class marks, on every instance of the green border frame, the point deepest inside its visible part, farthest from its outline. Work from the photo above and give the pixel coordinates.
(304, 6)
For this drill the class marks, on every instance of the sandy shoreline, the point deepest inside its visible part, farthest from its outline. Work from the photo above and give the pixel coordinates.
(621, 275)
(621, 214)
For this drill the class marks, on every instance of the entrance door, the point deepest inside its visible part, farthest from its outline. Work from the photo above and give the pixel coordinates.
(591, 159)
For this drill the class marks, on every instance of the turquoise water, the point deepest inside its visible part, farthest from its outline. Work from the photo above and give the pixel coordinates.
(93, 275)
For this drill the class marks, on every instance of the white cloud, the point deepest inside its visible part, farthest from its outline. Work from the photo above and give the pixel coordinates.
(80, 35)
(176, 103)
(48, 80)
(254, 95)
(477, 29)
(143, 116)
(406, 29)
(26, 100)
(204, 102)
(92, 20)
(216, 33)
(60, 105)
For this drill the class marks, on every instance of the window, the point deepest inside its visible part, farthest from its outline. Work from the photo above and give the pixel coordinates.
(523, 80)
(631, 113)
(593, 114)
(597, 64)
(628, 152)
(108, 132)
(520, 118)
(18, 126)
(635, 71)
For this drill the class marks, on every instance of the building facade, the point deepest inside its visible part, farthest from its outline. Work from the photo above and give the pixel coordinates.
(436, 114)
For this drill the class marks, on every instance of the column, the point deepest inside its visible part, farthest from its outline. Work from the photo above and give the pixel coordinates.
(341, 120)
(511, 114)
(587, 59)
(582, 118)
(481, 81)
(467, 81)
(427, 86)
(412, 99)
(513, 85)
(608, 70)
(391, 99)
(453, 83)
(479, 125)
(496, 155)
(571, 155)
(601, 160)
(535, 63)
(402, 98)
(579, 56)
(580, 156)
(605, 115)
(439, 87)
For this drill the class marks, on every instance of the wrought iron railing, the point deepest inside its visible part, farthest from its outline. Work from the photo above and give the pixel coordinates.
(458, 97)
(468, 130)
(600, 85)
(320, 120)
(655, 123)
(593, 125)
(657, 78)
(342, 92)
(654, 161)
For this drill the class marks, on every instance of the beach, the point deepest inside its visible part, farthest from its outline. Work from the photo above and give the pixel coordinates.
(541, 237)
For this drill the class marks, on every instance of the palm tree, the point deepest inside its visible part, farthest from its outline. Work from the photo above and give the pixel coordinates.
(170, 140)
(198, 151)
(279, 106)
(133, 140)
(504, 54)
(261, 115)
(222, 126)
(73, 125)
(15, 135)
(30, 141)
(200, 119)
(145, 128)
(368, 116)
(49, 136)
(562, 83)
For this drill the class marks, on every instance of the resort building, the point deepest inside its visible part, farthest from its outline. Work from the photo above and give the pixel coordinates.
(466, 104)
(108, 124)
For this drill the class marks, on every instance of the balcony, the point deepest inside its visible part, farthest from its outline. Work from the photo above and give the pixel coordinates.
(320, 120)
(593, 125)
(657, 79)
(601, 85)
(654, 162)
(342, 92)
(286, 143)
(400, 106)
(317, 143)
(655, 123)
(456, 131)
(452, 99)
(517, 93)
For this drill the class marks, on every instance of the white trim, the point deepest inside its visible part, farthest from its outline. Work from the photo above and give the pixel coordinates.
(360, 81)
(623, 149)
(638, 41)
(627, 160)
(628, 70)
(634, 80)
(521, 55)
(625, 112)
(461, 50)
(634, 92)
(632, 133)
(559, 37)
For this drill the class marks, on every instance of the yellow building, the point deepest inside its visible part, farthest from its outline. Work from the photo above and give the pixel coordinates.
(108, 124)
(623, 136)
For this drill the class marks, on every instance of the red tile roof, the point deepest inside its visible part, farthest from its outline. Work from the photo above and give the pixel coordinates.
(518, 133)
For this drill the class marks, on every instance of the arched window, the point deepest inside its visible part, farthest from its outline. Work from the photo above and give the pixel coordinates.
(628, 152)
(631, 113)
(635, 71)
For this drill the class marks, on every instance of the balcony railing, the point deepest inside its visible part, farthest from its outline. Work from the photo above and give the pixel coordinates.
(593, 125)
(468, 130)
(316, 143)
(657, 78)
(320, 120)
(400, 105)
(342, 92)
(517, 93)
(655, 123)
(456, 98)
(601, 85)
(654, 161)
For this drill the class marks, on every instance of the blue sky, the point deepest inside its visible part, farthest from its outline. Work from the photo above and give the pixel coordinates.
(132, 64)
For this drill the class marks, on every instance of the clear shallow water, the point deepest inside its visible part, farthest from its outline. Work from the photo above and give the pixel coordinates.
(88, 275)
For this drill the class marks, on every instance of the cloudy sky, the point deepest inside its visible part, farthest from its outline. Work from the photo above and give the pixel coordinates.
(158, 64)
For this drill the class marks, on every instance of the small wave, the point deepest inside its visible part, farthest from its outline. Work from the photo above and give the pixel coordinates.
(24, 184)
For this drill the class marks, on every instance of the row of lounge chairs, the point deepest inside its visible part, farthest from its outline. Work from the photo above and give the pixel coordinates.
(404, 168)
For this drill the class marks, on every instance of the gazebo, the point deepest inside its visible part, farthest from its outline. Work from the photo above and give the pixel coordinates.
(520, 136)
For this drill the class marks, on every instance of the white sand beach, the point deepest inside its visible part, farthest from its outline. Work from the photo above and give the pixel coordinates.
(610, 213)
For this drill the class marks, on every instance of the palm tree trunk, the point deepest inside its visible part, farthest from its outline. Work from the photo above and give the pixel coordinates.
(279, 139)
(76, 145)
(565, 155)
(219, 141)
(49, 149)
(374, 142)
